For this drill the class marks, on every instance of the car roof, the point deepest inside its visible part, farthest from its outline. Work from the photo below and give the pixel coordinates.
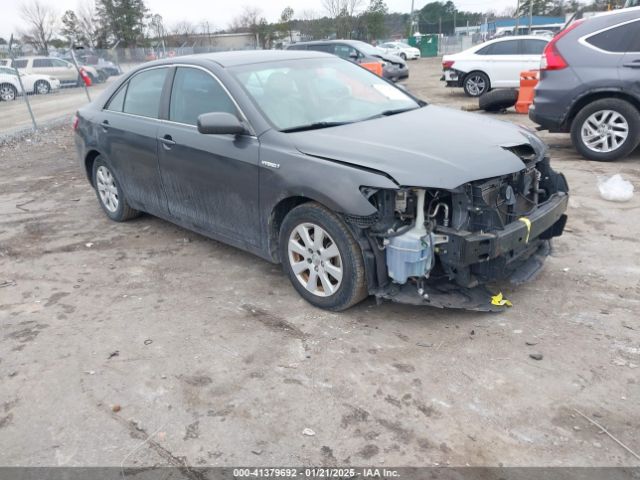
(244, 57)
(321, 42)
(516, 37)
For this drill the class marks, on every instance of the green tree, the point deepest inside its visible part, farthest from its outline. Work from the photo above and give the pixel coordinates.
(285, 22)
(535, 7)
(374, 18)
(71, 28)
(122, 20)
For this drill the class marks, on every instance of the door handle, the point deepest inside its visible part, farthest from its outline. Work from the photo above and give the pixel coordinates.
(167, 142)
(634, 64)
(105, 125)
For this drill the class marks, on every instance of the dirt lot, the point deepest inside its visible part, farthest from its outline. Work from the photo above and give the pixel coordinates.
(211, 353)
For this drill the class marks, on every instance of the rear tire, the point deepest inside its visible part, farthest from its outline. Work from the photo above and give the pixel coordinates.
(476, 84)
(110, 194)
(42, 87)
(498, 100)
(329, 274)
(403, 56)
(8, 92)
(606, 130)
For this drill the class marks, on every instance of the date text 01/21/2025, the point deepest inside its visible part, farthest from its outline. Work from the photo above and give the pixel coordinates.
(315, 472)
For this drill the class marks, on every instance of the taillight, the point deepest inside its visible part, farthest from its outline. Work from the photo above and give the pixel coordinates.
(446, 65)
(551, 57)
(76, 120)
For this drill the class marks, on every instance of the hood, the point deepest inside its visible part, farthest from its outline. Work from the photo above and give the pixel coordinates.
(387, 57)
(432, 147)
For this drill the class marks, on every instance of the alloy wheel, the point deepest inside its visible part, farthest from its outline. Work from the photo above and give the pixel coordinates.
(476, 85)
(7, 93)
(315, 259)
(604, 131)
(42, 88)
(107, 189)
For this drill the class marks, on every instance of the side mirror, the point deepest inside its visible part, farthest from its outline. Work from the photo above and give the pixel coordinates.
(354, 55)
(219, 123)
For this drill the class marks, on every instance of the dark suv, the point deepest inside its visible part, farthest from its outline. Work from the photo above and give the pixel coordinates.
(393, 67)
(590, 85)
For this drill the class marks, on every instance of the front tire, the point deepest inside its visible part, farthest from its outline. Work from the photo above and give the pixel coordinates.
(42, 87)
(606, 130)
(110, 194)
(8, 92)
(476, 84)
(403, 57)
(322, 258)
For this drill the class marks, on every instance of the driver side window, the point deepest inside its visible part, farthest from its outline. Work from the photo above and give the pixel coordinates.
(195, 92)
(346, 51)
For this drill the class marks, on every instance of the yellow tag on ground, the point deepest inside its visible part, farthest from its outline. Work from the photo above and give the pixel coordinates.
(500, 301)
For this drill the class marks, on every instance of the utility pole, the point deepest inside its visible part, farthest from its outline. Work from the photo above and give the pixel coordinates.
(530, 14)
(440, 25)
(518, 17)
(411, 20)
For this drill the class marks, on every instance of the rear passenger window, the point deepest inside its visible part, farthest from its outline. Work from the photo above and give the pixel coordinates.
(144, 91)
(42, 62)
(509, 47)
(618, 39)
(19, 63)
(196, 92)
(533, 47)
(117, 101)
(323, 48)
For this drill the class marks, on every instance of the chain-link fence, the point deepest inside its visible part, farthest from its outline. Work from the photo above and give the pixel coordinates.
(457, 43)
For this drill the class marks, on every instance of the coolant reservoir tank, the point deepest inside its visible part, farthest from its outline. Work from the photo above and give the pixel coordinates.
(409, 254)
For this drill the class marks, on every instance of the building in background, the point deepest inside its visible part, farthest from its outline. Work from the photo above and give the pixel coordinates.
(507, 26)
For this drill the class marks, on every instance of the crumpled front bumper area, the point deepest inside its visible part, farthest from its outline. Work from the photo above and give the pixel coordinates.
(515, 253)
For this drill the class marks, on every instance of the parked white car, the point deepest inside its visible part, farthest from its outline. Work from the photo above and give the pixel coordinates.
(493, 64)
(33, 83)
(400, 49)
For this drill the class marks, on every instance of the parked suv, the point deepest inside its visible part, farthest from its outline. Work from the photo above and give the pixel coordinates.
(55, 67)
(393, 68)
(590, 85)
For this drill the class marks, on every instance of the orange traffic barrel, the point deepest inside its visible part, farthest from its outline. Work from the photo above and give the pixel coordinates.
(375, 67)
(528, 81)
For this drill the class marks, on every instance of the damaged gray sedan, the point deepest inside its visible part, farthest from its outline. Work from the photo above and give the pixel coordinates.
(354, 185)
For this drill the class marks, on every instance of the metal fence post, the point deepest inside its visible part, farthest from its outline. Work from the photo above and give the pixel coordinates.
(75, 62)
(24, 92)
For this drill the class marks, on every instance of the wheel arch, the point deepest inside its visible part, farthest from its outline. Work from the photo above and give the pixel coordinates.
(595, 95)
(89, 160)
(277, 216)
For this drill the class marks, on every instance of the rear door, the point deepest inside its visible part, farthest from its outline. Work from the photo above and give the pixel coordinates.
(630, 70)
(505, 63)
(211, 181)
(531, 50)
(128, 127)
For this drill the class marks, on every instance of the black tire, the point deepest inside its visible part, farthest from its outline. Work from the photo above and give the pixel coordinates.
(403, 56)
(8, 92)
(630, 114)
(476, 78)
(352, 288)
(41, 87)
(123, 212)
(498, 100)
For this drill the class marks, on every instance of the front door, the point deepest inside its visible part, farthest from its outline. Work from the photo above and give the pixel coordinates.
(630, 69)
(211, 181)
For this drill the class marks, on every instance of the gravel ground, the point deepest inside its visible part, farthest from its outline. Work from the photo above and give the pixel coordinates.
(113, 334)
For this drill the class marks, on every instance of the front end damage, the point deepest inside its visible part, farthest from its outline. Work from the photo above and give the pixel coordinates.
(442, 247)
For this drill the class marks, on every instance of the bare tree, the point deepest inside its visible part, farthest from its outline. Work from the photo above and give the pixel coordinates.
(345, 12)
(88, 22)
(185, 30)
(42, 22)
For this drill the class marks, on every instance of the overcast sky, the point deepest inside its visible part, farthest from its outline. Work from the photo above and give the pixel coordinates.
(220, 12)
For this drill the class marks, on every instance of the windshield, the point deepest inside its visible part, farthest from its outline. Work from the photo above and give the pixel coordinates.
(319, 92)
(366, 48)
